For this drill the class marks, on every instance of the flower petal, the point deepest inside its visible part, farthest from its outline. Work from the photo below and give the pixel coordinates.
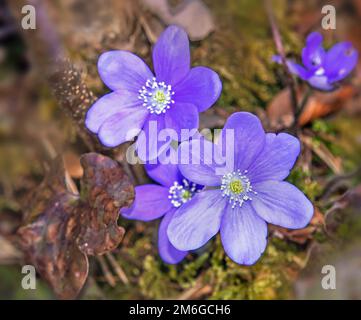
(197, 221)
(294, 67)
(171, 56)
(122, 126)
(276, 159)
(197, 162)
(151, 202)
(243, 234)
(167, 251)
(321, 83)
(313, 54)
(282, 204)
(182, 116)
(154, 139)
(109, 105)
(249, 139)
(202, 87)
(122, 70)
(298, 70)
(341, 59)
(164, 174)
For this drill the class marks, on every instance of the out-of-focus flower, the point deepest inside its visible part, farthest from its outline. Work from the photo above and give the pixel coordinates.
(323, 70)
(154, 201)
(240, 201)
(172, 99)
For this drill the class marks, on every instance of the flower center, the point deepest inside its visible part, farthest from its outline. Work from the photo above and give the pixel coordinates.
(320, 71)
(156, 96)
(182, 193)
(237, 187)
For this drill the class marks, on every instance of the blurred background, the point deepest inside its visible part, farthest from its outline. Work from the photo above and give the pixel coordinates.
(48, 79)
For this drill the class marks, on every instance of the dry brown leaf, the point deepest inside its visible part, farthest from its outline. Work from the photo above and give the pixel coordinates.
(279, 110)
(61, 228)
(319, 105)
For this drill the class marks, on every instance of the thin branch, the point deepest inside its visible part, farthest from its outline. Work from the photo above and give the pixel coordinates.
(302, 105)
(106, 271)
(335, 182)
(117, 268)
(281, 51)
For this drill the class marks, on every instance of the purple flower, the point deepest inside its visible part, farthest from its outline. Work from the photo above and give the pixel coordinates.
(321, 69)
(154, 201)
(173, 98)
(241, 200)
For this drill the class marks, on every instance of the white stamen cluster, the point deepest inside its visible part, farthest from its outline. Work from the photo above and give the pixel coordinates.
(181, 193)
(237, 187)
(156, 96)
(320, 71)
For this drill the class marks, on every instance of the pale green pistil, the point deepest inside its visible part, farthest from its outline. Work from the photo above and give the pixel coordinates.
(159, 96)
(236, 187)
(186, 195)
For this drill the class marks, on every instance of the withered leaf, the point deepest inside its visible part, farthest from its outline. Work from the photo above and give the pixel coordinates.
(62, 228)
(105, 188)
(319, 105)
(49, 244)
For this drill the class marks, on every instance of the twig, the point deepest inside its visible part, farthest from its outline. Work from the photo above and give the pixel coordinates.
(107, 274)
(302, 105)
(186, 295)
(281, 51)
(197, 291)
(324, 154)
(117, 268)
(49, 148)
(335, 182)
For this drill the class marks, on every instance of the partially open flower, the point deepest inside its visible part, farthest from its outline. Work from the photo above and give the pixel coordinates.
(321, 69)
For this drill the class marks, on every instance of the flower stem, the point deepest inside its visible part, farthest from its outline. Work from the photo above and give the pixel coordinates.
(281, 51)
(302, 105)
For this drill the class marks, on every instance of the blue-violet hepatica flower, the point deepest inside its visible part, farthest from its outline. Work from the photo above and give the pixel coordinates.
(172, 97)
(154, 201)
(323, 70)
(243, 199)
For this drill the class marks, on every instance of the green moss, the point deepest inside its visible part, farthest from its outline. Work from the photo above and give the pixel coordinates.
(153, 283)
(241, 50)
(303, 180)
(322, 126)
(267, 279)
